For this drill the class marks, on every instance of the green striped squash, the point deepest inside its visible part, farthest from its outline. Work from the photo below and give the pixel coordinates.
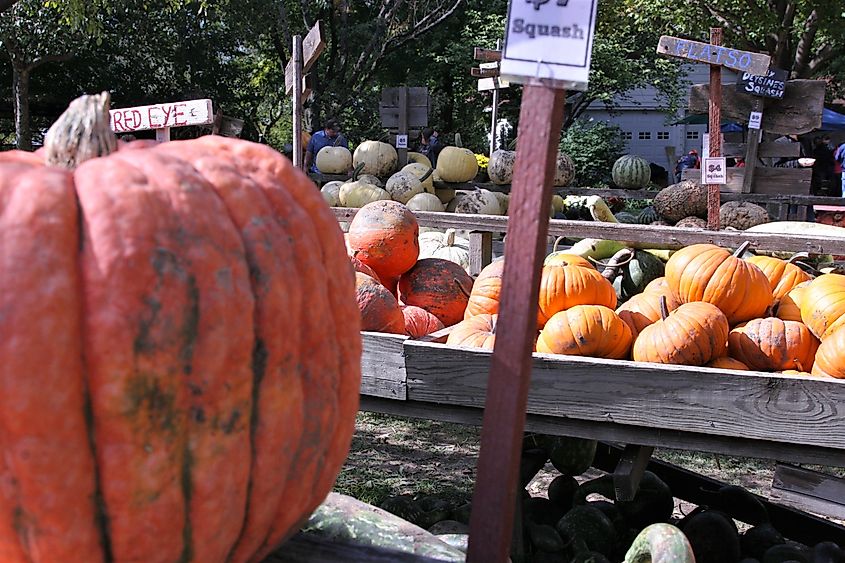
(631, 172)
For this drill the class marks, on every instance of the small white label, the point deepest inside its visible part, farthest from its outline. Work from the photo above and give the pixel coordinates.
(401, 141)
(715, 170)
(494, 64)
(754, 119)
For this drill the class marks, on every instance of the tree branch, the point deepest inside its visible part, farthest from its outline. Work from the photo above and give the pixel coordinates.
(823, 57)
(6, 4)
(38, 61)
(805, 45)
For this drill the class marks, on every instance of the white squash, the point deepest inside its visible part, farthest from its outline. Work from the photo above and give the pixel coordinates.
(500, 167)
(423, 173)
(419, 158)
(446, 246)
(425, 202)
(402, 186)
(456, 164)
(334, 160)
(331, 193)
(476, 202)
(370, 179)
(504, 201)
(379, 159)
(358, 193)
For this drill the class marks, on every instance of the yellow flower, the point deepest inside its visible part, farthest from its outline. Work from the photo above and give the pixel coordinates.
(482, 160)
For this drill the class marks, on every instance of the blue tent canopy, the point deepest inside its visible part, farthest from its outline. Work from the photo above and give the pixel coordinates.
(832, 121)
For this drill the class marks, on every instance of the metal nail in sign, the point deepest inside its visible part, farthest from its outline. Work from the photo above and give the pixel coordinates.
(550, 40)
(743, 61)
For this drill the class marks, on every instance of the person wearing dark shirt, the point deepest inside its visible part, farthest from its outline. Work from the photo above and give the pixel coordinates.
(328, 136)
(430, 145)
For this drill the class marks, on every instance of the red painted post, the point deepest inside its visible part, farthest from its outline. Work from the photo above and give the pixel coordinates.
(715, 128)
(494, 497)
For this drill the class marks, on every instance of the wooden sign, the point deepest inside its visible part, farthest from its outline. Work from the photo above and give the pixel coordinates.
(551, 41)
(161, 116)
(312, 46)
(799, 111)
(486, 84)
(743, 61)
(487, 55)
(417, 110)
(770, 85)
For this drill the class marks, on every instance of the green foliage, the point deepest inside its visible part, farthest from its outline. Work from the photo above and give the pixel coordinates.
(593, 147)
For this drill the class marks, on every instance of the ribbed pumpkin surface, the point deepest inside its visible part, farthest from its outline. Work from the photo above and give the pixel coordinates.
(419, 322)
(180, 354)
(439, 286)
(772, 344)
(380, 311)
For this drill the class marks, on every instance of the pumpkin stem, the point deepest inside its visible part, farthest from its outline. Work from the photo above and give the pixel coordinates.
(798, 256)
(458, 140)
(425, 176)
(664, 308)
(808, 268)
(449, 239)
(356, 171)
(557, 242)
(81, 133)
(742, 248)
(615, 263)
(461, 287)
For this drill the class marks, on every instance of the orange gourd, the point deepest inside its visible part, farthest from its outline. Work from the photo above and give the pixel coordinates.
(419, 322)
(789, 307)
(564, 259)
(478, 331)
(693, 335)
(384, 235)
(783, 275)
(439, 286)
(563, 287)
(830, 357)
(359, 266)
(586, 330)
(772, 344)
(643, 309)
(379, 310)
(484, 297)
(201, 383)
(704, 272)
(823, 305)
(725, 362)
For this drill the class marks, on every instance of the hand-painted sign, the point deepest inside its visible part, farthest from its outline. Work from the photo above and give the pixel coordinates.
(714, 170)
(770, 85)
(550, 40)
(743, 61)
(160, 116)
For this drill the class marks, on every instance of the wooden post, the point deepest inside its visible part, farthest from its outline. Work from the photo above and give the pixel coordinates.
(751, 151)
(297, 102)
(494, 118)
(480, 251)
(715, 121)
(403, 126)
(494, 497)
(163, 134)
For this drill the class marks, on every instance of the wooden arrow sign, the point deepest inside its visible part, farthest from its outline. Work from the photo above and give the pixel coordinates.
(487, 55)
(312, 46)
(743, 61)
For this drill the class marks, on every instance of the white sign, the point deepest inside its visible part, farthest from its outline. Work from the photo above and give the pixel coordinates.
(755, 119)
(549, 39)
(714, 170)
(485, 84)
(159, 116)
(705, 146)
(401, 141)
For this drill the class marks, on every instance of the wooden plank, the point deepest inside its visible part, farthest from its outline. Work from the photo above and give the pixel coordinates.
(799, 111)
(383, 366)
(764, 150)
(743, 61)
(767, 180)
(484, 72)
(312, 47)
(402, 127)
(668, 237)
(308, 548)
(809, 490)
(417, 96)
(614, 432)
(629, 471)
(159, 116)
(771, 407)
(480, 251)
(297, 62)
(486, 55)
(714, 123)
(491, 521)
(417, 116)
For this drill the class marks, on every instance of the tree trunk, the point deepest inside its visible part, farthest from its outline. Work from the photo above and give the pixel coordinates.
(20, 98)
(447, 83)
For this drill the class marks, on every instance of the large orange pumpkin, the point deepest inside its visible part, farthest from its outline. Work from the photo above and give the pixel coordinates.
(783, 275)
(823, 305)
(772, 344)
(486, 290)
(379, 310)
(693, 335)
(830, 357)
(789, 307)
(563, 287)
(586, 330)
(704, 272)
(180, 349)
(419, 322)
(478, 331)
(439, 286)
(384, 235)
(643, 309)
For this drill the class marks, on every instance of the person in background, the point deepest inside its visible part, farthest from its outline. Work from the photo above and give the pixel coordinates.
(823, 167)
(689, 160)
(328, 136)
(430, 145)
(839, 157)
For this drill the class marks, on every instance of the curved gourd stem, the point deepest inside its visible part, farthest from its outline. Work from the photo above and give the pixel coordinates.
(664, 308)
(425, 176)
(450, 239)
(458, 142)
(81, 133)
(742, 248)
(557, 242)
(808, 268)
(356, 171)
(611, 268)
(798, 256)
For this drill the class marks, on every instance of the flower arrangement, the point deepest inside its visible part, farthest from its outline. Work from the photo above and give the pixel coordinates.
(482, 161)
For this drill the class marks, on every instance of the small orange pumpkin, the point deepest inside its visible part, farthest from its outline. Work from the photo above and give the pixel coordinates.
(823, 305)
(478, 331)
(783, 275)
(484, 297)
(658, 285)
(379, 310)
(359, 266)
(693, 334)
(564, 259)
(384, 235)
(439, 286)
(789, 307)
(586, 330)
(705, 272)
(563, 287)
(727, 363)
(772, 344)
(643, 309)
(419, 322)
(830, 357)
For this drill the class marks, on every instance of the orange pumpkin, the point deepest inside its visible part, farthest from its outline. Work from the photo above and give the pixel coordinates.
(384, 235)
(202, 380)
(823, 305)
(704, 272)
(484, 297)
(693, 335)
(586, 330)
(772, 344)
(830, 357)
(478, 331)
(379, 310)
(643, 309)
(419, 322)
(563, 287)
(725, 362)
(789, 307)
(564, 259)
(659, 285)
(783, 275)
(359, 266)
(439, 286)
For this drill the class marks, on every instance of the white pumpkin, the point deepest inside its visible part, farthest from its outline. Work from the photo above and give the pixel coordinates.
(456, 164)
(446, 246)
(475, 202)
(500, 167)
(357, 193)
(334, 160)
(423, 173)
(402, 186)
(558, 204)
(379, 159)
(425, 202)
(370, 179)
(504, 201)
(419, 158)
(331, 193)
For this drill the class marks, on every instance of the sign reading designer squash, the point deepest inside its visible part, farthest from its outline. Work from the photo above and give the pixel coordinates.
(550, 40)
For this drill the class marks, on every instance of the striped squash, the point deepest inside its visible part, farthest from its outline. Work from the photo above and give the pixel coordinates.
(631, 172)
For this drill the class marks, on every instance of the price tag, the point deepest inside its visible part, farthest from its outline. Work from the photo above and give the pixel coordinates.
(754, 119)
(401, 141)
(714, 170)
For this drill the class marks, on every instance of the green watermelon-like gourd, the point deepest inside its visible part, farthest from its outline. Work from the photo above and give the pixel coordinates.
(648, 216)
(573, 456)
(631, 172)
(660, 543)
(643, 268)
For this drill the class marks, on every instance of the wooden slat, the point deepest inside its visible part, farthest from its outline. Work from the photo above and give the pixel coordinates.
(809, 490)
(760, 406)
(743, 61)
(480, 251)
(484, 72)
(307, 548)
(669, 237)
(383, 363)
(486, 55)
(629, 471)
(764, 150)
(767, 180)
